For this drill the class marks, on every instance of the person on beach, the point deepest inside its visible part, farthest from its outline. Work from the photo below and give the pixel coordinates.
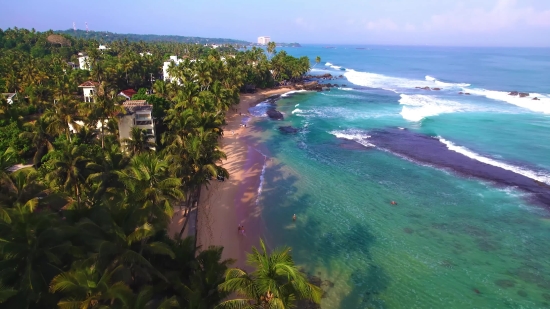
(294, 217)
(393, 203)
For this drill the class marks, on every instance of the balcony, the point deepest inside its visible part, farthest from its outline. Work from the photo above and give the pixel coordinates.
(144, 122)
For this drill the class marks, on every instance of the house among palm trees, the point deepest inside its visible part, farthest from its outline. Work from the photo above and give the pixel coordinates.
(139, 114)
(89, 89)
(165, 73)
(83, 61)
(10, 97)
(128, 93)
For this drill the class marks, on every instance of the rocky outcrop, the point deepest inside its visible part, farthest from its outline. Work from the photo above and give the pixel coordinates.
(314, 86)
(513, 93)
(466, 93)
(523, 94)
(288, 130)
(424, 88)
(274, 114)
(461, 92)
(436, 89)
(536, 99)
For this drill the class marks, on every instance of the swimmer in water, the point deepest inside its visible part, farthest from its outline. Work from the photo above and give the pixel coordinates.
(294, 217)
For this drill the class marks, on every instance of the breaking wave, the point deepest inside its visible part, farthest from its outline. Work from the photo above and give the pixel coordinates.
(417, 107)
(353, 135)
(539, 176)
(542, 105)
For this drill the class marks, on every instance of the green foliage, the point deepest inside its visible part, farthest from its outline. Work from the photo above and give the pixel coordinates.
(105, 36)
(88, 227)
(10, 137)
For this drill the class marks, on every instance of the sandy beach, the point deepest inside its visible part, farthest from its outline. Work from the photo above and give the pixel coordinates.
(223, 206)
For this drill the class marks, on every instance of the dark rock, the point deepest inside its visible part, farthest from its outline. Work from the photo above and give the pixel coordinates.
(461, 92)
(341, 76)
(274, 114)
(288, 130)
(513, 93)
(467, 93)
(424, 88)
(312, 86)
(523, 94)
(436, 88)
(536, 99)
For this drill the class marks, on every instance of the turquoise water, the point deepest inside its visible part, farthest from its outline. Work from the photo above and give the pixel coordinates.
(453, 240)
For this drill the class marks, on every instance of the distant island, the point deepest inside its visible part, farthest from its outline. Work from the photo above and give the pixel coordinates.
(107, 37)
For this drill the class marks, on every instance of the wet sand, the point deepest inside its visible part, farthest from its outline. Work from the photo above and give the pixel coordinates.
(223, 206)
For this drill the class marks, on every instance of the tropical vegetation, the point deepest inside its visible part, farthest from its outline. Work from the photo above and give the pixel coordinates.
(85, 223)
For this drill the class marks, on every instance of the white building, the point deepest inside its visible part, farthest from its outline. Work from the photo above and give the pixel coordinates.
(263, 40)
(128, 94)
(10, 97)
(89, 89)
(102, 47)
(84, 62)
(165, 74)
(72, 65)
(138, 114)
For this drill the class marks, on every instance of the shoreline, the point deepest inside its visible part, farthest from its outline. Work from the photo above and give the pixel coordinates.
(223, 206)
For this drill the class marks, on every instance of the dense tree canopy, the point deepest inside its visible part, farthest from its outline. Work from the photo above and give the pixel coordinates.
(86, 225)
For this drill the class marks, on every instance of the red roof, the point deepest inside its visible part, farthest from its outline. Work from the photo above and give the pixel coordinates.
(128, 92)
(89, 84)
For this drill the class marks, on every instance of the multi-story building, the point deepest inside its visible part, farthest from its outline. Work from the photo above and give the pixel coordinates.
(138, 114)
(263, 40)
(89, 88)
(165, 73)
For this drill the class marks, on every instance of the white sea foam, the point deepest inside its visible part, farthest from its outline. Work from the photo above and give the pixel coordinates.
(260, 109)
(541, 106)
(286, 94)
(417, 107)
(345, 88)
(539, 176)
(260, 187)
(336, 67)
(358, 136)
(374, 80)
(297, 110)
(444, 84)
(296, 105)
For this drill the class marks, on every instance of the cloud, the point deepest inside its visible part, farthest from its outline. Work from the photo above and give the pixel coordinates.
(504, 15)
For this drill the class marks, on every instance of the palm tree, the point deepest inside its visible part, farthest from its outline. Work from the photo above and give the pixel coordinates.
(88, 288)
(150, 185)
(271, 48)
(275, 283)
(61, 117)
(317, 61)
(41, 140)
(70, 171)
(33, 247)
(106, 181)
(7, 160)
(138, 142)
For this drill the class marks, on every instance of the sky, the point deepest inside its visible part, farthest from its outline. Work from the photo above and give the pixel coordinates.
(392, 22)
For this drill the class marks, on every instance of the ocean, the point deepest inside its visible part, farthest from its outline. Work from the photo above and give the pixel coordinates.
(470, 175)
